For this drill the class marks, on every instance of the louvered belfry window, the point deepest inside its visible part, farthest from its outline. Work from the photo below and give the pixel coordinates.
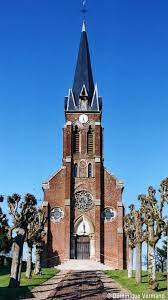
(90, 140)
(76, 140)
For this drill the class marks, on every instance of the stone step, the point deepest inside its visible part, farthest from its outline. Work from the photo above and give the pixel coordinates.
(82, 265)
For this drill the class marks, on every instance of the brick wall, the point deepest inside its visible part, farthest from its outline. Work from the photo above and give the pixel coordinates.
(106, 192)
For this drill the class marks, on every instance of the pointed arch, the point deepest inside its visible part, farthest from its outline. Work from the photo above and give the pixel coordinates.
(90, 170)
(75, 170)
(89, 224)
(90, 140)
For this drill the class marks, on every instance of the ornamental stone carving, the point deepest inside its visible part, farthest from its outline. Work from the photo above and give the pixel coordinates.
(83, 200)
(83, 163)
(109, 214)
(56, 214)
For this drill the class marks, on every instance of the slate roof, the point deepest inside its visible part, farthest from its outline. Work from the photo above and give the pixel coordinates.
(83, 79)
(83, 72)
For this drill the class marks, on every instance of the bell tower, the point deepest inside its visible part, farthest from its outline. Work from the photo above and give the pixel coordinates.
(83, 200)
(83, 145)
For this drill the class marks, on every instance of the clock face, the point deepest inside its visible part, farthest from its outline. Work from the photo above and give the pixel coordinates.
(83, 118)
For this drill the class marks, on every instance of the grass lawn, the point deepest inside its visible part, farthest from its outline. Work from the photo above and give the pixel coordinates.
(26, 284)
(142, 288)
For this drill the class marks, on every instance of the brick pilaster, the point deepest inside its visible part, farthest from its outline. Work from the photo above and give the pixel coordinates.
(67, 159)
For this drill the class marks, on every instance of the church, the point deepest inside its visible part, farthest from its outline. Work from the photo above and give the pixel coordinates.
(83, 200)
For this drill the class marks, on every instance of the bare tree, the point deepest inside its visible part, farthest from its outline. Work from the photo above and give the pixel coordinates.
(5, 240)
(138, 242)
(152, 213)
(164, 198)
(137, 223)
(30, 240)
(129, 228)
(23, 213)
(35, 236)
(38, 239)
(161, 256)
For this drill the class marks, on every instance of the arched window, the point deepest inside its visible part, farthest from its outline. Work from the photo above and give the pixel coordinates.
(90, 140)
(76, 140)
(90, 171)
(75, 170)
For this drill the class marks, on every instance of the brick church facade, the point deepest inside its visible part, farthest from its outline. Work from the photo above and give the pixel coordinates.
(83, 200)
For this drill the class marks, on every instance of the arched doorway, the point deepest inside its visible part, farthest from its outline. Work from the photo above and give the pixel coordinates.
(84, 238)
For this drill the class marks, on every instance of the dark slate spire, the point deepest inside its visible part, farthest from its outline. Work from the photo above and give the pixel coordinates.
(83, 73)
(84, 95)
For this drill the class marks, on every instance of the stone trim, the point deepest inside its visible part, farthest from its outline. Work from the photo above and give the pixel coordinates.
(119, 204)
(97, 123)
(67, 202)
(68, 123)
(46, 229)
(120, 230)
(46, 186)
(68, 159)
(45, 203)
(97, 159)
(119, 183)
(97, 202)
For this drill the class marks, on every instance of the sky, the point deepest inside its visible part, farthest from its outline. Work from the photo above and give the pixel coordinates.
(129, 52)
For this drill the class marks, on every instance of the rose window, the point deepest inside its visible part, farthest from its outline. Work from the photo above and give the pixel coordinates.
(83, 200)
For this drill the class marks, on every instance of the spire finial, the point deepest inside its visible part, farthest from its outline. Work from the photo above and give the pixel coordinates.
(84, 10)
(83, 26)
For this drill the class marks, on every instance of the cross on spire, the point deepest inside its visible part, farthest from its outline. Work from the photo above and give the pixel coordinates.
(84, 10)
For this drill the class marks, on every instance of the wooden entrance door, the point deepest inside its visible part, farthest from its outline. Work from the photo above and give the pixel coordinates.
(82, 247)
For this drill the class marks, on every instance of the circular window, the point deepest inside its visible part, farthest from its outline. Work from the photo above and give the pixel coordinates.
(83, 200)
(109, 214)
(56, 214)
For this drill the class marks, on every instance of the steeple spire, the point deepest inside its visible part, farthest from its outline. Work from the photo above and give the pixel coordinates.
(84, 94)
(83, 73)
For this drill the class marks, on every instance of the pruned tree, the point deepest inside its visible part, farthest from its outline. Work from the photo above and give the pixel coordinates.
(35, 236)
(129, 228)
(161, 256)
(139, 239)
(164, 199)
(23, 213)
(5, 240)
(38, 239)
(137, 225)
(152, 213)
(30, 240)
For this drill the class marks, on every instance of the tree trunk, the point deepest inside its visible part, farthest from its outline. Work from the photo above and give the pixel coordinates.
(17, 259)
(29, 260)
(138, 262)
(37, 268)
(151, 252)
(152, 264)
(130, 261)
(147, 256)
(152, 267)
(167, 257)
